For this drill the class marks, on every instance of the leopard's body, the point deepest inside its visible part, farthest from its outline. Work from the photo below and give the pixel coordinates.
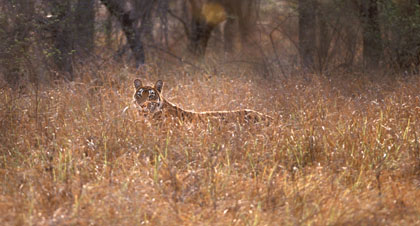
(150, 102)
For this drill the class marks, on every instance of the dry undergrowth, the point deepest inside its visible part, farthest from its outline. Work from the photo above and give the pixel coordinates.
(341, 151)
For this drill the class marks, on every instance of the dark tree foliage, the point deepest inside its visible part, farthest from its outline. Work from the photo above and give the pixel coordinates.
(401, 24)
(47, 39)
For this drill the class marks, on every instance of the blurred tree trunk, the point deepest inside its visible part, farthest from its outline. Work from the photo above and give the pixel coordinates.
(108, 31)
(129, 27)
(247, 12)
(372, 41)
(63, 35)
(199, 36)
(242, 15)
(205, 17)
(16, 36)
(163, 8)
(85, 21)
(324, 40)
(307, 32)
(207, 14)
(228, 34)
(143, 10)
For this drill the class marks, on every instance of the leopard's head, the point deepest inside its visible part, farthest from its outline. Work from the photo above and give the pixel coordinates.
(148, 99)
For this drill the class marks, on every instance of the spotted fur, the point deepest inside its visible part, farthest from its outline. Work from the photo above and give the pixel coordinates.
(150, 102)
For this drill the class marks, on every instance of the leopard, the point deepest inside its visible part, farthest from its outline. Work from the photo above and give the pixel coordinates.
(151, 103)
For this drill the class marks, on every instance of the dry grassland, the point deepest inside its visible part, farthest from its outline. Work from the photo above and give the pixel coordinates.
(344, 151)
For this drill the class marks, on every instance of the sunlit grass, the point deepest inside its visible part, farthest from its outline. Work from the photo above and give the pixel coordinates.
(340, 151)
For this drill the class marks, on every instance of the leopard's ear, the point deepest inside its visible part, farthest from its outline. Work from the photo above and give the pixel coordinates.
(159, 86)
(137, 83)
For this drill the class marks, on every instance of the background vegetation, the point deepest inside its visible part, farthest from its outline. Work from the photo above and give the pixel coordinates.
(338, 77)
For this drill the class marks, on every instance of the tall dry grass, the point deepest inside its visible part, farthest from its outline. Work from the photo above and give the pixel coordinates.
(340, 151)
